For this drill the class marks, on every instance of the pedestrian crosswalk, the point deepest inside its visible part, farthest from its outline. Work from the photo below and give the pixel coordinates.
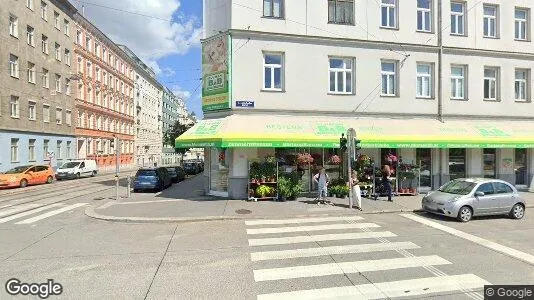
(286, 253)
(19, 213)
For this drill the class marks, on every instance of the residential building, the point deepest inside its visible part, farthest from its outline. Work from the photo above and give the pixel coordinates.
(171, 111)
(104, 97)
(452, 96)
(148, 98)
(36, 100)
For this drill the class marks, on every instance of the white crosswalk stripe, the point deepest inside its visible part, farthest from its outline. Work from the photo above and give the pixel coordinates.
(51, 213)
(32, 210)
(358, 239)
(16, 209)
(27, 213)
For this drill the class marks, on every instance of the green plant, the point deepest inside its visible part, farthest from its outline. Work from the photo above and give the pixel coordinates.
(264, 190)
(290, 185)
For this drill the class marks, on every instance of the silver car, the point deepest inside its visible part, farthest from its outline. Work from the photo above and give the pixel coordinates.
(465, 198)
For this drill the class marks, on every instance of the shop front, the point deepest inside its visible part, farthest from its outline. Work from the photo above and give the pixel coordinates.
(428, 152)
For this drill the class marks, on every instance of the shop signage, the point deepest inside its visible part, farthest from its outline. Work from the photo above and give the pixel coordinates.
(215, 79)
(244, 104)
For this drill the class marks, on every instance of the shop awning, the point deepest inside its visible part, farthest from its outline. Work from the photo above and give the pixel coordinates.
(253, 131)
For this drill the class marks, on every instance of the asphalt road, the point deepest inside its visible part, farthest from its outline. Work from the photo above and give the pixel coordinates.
(372, 256)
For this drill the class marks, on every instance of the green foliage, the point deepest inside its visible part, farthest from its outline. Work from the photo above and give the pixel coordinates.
(177, 130)
(264, 191)
(289, 185)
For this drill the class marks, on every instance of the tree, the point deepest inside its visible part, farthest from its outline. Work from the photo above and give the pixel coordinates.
(177, 130)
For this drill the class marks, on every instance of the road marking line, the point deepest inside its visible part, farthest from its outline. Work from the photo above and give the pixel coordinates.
(148, 201)
(303, 220)
(345, 249)
(392, 289)
(311, 228)
(347, 267)
(319, 238)
(16, 209)
(51, 213)
(106, 205)
(31, 212)
(528, 258)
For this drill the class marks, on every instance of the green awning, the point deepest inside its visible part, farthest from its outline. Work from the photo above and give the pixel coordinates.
(264, 131)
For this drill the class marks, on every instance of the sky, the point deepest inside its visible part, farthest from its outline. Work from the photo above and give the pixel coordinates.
(165, 34)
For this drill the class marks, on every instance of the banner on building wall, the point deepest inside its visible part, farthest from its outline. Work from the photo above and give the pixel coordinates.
(215, 74)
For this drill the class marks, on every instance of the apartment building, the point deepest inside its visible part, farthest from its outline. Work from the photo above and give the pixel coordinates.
(170, 112)
(36, 94)
(443, 84)
(104, 93)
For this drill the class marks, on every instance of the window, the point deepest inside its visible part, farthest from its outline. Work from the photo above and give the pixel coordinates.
(44, 44)
(59, 116)
(502, 188)
(67, 86)
(458, 85)
(58, 83)
(44, 11)
(31, 72)
(99, 123)
(14, 66)
(31, 110)
(486, 188)
(88, 44)
(66, 27)
(67, 57)
(46, 113)
(521, 85)
(104, 55)
(458, 18)
(29, 4)
(457, 161)
(78, 37)
(91, 121)
(89, 97)
(424, 15)
(340, 71)
(521, 24)
(68, 149)
(68, 117)
(59, 154)
(491, 83)
(58, 51)
(98, 98)
(56, 20)
(389, 78)
(45, 78)
(489, 161)
(80, 65)
(81, 119)
(388, 10)
(14, 106)
(97, 72)
(30, 36)
(31, 150)
(424, 80)
(14, 150)
(97, 49)
(80, 91)
(13, 26)
(88, 70)
(341, 12)
(272, 75)
(490, 21)
(46, 149)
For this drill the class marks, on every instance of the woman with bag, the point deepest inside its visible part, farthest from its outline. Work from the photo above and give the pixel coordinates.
(355, 188)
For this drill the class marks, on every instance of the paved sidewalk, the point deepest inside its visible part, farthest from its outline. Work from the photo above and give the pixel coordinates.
(183, 202)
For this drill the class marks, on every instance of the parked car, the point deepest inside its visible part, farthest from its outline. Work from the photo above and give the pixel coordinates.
(191, 168)
(173, 174)
(465, 198)
(23, 176)
(181, 173)
(151, 179)
(77, 169)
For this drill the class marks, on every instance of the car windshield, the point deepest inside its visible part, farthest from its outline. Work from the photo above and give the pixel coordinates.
(458, 187)
(17, 170)
(69, 165)
(146, 173)
(171, 170)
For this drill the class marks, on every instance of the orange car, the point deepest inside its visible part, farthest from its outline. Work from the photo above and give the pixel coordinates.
(26, 175)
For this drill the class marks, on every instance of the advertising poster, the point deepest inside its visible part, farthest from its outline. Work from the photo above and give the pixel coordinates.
(215, 79)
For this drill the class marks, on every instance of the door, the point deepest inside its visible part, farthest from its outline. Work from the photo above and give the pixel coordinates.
(487, 204)
(32, 176)
(505, 197)
(42, 173)
(82, 168)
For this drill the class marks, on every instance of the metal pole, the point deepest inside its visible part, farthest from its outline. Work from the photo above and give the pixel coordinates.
(117, 151)
(350, 147)
(129, 184)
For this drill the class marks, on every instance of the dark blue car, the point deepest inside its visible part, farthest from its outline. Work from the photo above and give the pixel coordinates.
(151, 179)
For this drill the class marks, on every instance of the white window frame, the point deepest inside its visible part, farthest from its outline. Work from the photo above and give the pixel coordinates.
(57, 48)
(29, 4)
(489, 20)
(13, 25)
(457, 16)
(491, 81)
(58, 149)
(59, 116)
(66, 27)
(31, 150)
(32, 110)
(13, 65)
(344, 71)
(455, 81)
(68, 89)
(424, 27)
(523, 84)
(67, 57)
(389, 75)
(426, 79)
(56, 20)
(14, 107)
(45, 76)
(30, 35)
(44, 11)
(46, 144)
(58, 83)
(389, 7)
(14, 150)
(68, 149)
(44, 44)
(46, 113)
(522, 25)
(68, 117)
(31, 72)
(273, 67)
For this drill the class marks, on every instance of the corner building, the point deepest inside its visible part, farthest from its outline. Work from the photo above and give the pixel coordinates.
(454, 97)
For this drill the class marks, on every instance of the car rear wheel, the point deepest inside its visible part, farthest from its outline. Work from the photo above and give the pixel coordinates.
(77, 175)
(93, 174)
(465, 214)
(23, 183)
(518, 211)
(49, 179)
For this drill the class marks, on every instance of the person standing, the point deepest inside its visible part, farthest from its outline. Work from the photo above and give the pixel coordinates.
(355, 188)
(386, 181)
(321, 179)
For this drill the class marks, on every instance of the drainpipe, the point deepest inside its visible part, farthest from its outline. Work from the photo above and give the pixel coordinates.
(440, 83)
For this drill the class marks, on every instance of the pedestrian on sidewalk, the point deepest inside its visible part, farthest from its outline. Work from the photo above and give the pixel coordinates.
(322, 180)
(355, 189)
(386, 181)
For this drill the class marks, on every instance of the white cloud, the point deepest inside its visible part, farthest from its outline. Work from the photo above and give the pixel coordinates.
(181, 93)
(150, 38)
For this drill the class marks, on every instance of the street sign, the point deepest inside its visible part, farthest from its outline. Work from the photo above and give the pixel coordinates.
(245, 104)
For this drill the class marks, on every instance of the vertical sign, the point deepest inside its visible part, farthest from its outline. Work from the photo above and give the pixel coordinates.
(215, 77)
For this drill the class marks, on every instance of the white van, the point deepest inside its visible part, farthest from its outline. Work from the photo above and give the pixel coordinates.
(77, 169)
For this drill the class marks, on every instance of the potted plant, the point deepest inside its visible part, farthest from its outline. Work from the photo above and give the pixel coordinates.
(335, 160)
(264, 190)
(304, 159)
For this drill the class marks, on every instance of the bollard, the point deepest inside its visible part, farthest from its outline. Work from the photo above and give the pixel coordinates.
(117, 187)
(129, 183)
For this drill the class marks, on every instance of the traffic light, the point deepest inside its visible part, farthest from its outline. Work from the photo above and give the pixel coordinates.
(357, 146)
(343, 143)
